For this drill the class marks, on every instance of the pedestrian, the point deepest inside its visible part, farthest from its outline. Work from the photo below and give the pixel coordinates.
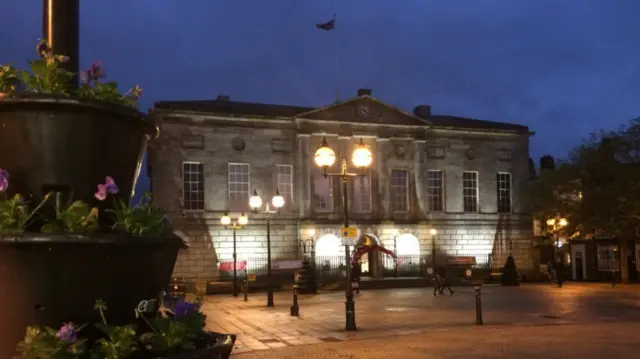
(437, 283)
(559, 268)
(355, 277)
(444, 282)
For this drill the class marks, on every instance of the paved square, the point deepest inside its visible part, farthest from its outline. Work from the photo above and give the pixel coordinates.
(382, 313)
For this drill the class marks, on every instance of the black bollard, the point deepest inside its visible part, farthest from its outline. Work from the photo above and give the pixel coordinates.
(295, 310)
(246, 290)
(479, 305)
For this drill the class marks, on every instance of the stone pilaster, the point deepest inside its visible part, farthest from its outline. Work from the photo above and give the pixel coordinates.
(383, 177)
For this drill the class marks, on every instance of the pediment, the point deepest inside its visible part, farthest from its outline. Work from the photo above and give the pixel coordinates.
(364, 109)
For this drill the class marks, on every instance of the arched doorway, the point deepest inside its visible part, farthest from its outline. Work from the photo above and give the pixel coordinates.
(408, 251)
(329, 256)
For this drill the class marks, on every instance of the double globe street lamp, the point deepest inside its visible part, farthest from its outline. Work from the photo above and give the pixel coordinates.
(255, 202)
(362, 158)
(236, 225)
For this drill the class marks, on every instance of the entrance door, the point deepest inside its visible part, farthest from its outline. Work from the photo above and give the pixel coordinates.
(579, 266)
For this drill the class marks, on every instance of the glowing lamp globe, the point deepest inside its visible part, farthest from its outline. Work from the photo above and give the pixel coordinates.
(551, 221)
(563, 222)
(362, 156)
(312, 232)
(433, 231)
(225, 220)
(243, 220)
(277, 200)
(324, 157)
(255, 202)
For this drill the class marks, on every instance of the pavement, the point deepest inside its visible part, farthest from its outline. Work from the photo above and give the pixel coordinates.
(412, 312)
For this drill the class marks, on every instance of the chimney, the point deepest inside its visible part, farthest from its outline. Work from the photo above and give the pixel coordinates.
(364, 92)
(422, 111)
(60, 27)
(224, 98)
(547, 162)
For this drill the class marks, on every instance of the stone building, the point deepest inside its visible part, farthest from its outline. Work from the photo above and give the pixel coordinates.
(463, 177)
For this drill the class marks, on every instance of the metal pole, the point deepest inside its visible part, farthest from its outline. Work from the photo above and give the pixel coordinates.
(235, 264)
(479, 320)
(350, 306)
(295, 309)
(433, 252)
(269, 288)
(61, 28)
(395, 250)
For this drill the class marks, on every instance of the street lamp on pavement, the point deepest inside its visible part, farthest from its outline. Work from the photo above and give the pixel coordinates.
(236, 225)
(362, 158)
(394, 233)
(556, 225)
(433, 233)
(255, 202)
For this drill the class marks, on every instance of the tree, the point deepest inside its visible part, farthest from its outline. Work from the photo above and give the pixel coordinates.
(597, 188)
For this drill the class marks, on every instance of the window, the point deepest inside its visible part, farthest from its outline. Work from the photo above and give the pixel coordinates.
(322, 193)
(362, 193)
(399, 190)
(435, 190)
(193, 186)
(503, 180)
(608, 258)
(470, 191)
(284, 180)
(238, 186)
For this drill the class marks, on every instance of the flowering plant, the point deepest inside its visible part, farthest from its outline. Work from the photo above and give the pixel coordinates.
(175, 327)
(46, 75)
(144, 219)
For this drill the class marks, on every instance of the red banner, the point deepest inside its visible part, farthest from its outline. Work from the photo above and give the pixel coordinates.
(228, 266)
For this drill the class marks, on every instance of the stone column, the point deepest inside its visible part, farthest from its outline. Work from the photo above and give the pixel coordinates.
(303, 177)
(418, 169)
(383, 177)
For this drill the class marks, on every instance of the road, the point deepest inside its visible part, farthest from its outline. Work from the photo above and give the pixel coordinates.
(398, 312)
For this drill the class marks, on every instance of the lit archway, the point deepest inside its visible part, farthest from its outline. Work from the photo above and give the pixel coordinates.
(407, 249)
(329, 253)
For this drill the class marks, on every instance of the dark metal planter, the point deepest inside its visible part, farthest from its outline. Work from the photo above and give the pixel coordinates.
(220, 350)
(69, 144)
(51, 279)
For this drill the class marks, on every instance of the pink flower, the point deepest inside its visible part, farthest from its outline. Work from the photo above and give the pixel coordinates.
(109, 187)
(4, 180)
(101, 194)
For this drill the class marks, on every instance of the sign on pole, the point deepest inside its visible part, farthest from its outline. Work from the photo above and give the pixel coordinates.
(349, 236)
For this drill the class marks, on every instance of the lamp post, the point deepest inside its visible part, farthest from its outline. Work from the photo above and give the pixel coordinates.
(255, 202)
(362, 158)
(241, 222)
(433, 233)
(394, 233)
(556, 225)
(310, 244)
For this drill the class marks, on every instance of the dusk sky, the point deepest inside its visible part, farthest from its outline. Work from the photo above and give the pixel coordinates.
(562, 67)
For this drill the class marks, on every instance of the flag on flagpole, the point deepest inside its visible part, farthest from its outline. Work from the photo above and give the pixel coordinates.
(327, 26)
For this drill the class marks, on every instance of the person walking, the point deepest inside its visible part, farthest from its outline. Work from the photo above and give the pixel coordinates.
(437, 283)
(444, 282)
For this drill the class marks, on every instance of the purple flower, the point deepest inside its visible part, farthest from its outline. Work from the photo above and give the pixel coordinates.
(43, 49)
(184, 308)
(67, 333)
(4, 180)
(109, 187)
(96, 71)
(84, 77)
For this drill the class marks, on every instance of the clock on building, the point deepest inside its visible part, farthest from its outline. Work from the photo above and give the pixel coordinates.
(364, 111)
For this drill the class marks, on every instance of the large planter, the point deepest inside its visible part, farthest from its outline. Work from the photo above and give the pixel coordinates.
(51, 279)
(221, 349)
(50, 142)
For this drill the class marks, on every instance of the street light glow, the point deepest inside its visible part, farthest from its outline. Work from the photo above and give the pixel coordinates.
(563, 222)
(277, 200)
(551, 222)
(433, 231)
(362, 156)
(225, 220)
(312, 232)
(255, 202)
(243, 220)
(325, 156)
